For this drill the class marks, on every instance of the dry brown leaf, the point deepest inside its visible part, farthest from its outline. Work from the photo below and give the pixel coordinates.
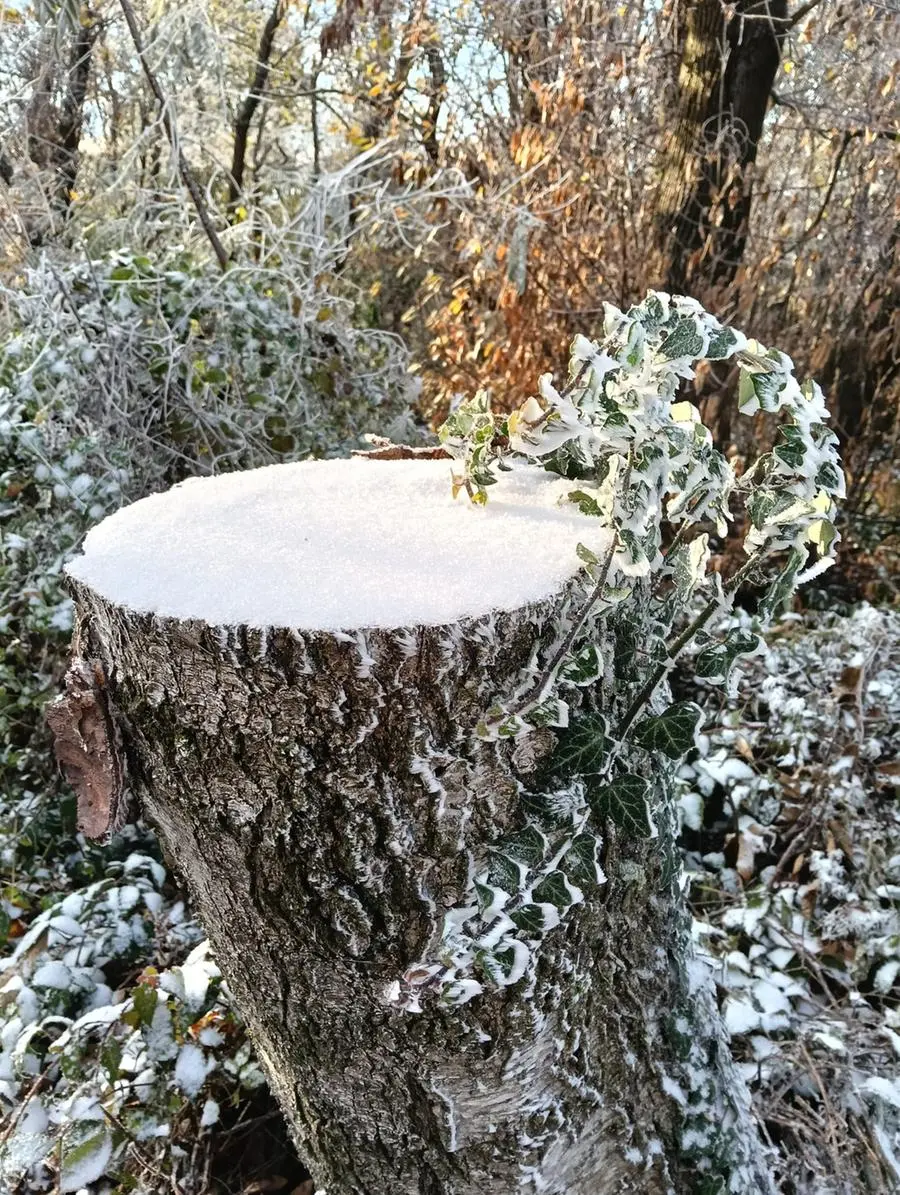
(743, 748)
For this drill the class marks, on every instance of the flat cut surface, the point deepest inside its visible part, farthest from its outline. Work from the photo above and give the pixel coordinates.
(337, 545)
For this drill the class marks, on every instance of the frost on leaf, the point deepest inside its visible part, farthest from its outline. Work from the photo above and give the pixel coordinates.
(624, 802)
(672, 732)
(85, 1157)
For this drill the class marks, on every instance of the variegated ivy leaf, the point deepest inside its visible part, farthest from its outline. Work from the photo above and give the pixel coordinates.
(624, 802)
(760, 391)
(688, 563)
(724, 343)
(792, 448)
(582, 668)
(672, 732)
(783, 585)
(684, 340)
(715, 662)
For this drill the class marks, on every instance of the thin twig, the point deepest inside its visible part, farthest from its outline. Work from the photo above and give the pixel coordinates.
(184, 170)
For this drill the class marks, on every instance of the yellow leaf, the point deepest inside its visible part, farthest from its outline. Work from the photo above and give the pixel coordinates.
(685, 412)
(375, 289)
(788, 67)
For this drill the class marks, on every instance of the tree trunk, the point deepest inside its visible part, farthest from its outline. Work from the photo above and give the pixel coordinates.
(251, 102)
(328, 804)
(724, 82)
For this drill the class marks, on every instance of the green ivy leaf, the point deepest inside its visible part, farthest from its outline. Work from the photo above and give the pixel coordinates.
(504, 872)
(501, 965)
(486, 895)
(554, 890)
(624, 802)
(582, 747)
(528, 846)
(529, 919)
(581, 862)
(715, 663)
(671, 732)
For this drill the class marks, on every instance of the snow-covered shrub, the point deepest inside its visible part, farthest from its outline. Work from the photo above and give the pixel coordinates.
(188, 370)
(117, 1042)
(790, 828)
(120, 376)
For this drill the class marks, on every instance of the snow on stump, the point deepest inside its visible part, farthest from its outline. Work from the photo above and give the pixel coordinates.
(460, 977)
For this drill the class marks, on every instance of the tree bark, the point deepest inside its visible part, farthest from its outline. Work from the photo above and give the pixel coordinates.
(724, 82)
(327, 803)
(251, 102)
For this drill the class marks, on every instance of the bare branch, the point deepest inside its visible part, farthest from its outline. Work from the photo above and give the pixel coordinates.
(252, 100)
(187, 176)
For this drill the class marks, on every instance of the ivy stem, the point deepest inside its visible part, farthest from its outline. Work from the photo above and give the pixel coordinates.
(534, 693)
(675, 648)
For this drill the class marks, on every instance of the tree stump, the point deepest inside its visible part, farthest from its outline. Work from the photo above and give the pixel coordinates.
(293, 663)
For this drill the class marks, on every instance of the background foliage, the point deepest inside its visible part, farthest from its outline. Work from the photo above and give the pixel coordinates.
(238, 233)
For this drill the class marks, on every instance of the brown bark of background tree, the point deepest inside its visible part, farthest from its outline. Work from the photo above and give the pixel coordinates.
(323, 796)
(249, 105)
(724, 83)
(54, 128)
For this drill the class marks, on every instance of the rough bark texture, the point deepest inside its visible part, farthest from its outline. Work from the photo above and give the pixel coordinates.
(724, 82)
(324, 798)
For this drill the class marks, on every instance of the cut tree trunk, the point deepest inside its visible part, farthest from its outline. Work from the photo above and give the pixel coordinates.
(327, 802)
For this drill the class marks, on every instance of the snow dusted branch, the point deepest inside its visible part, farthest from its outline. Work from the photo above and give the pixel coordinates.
(187, 175)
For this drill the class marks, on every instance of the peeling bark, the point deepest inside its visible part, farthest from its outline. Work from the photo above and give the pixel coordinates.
(326, 801)
(88, 749)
